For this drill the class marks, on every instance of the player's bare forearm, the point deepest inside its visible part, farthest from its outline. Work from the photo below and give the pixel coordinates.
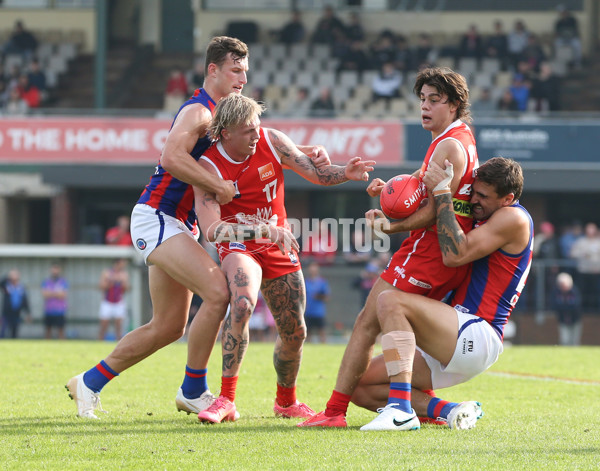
(450, 234)
(303, 164)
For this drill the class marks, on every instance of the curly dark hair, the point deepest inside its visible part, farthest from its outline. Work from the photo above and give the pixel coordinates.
(449, 83)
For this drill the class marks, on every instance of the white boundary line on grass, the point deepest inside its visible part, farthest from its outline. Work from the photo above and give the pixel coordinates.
(534, 377)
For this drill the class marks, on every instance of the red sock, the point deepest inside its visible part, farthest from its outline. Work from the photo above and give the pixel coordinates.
(286, 396)
(337, 404)
(429, 392)
(228, 387)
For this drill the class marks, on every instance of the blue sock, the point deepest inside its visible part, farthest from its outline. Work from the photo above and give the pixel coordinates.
(400, 394)
(98, 376)
(194, 383)
(439, 408)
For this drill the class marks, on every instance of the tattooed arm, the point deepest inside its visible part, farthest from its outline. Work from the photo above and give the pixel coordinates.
(507, 228)
(291, 157)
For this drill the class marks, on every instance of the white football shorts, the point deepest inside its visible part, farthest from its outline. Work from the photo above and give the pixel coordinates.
(110, 310)
(477, 348)
(150, 228)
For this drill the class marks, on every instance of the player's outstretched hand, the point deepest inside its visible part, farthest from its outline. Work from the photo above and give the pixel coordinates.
(319, 156)
(375, 187)
(437, 178)
(226, 192)
(377, 220)
(358, 169)
(284, 239)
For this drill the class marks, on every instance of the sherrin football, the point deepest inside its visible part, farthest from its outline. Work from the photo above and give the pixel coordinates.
(401, 196)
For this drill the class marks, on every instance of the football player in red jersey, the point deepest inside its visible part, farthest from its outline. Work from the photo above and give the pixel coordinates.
(255, 244)
(417, 266)
(164, 232)
(451, 344)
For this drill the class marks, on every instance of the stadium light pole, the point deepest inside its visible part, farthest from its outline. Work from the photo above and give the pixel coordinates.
(100, 62)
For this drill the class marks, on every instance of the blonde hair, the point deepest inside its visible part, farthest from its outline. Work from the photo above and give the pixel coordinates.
(234, 110)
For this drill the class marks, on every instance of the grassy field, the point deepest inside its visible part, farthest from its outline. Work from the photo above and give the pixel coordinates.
(541, 412)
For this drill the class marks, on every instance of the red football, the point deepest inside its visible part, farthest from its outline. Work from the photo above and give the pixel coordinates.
(401, 196)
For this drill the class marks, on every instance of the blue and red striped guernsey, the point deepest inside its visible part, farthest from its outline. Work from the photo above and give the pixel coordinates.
(165, 192)
(495, 282)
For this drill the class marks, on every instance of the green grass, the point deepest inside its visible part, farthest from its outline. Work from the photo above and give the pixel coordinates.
(529, 423)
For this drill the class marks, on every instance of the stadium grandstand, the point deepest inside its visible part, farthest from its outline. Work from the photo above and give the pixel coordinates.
(77, 158)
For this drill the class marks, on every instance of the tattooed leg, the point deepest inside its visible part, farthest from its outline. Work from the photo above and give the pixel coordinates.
(243, 276)
(286, 299)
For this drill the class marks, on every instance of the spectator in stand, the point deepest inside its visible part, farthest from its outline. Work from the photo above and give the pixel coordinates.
(326, 26)
(566, 33)
(29, 93)
(3, 95)
(119, 234)
(425, 53)
(15, 105)
(323, 106)
(520, 91)
(354, 29)
(114, 283)
(403, 58)
(567, 304)
(15, 302)
(366, 279)
(471, 43)
(293, 31)
(545, 247)
(176, 91)
(317, 296)
(483, 105)
(196, 75)
(386, 84)
(545, 89)
(507, 102)
(55, 290)
(533, 53)
(496, 45)
(383, 50)
(586, 251)
(517, 42)
(299, 106)
(569, 235)
(37, 77)
(21, 42)
(355, 58)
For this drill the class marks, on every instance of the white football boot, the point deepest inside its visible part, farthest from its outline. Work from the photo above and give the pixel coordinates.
(87, 400)
(390, 418)
(465, 415)
(193, 406)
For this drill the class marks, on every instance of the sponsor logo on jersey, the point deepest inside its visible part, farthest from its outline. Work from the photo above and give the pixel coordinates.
(237, 246)
(460, 308)
(420, 284)
(462, 208)
(266, 171)
(399, 272)
(293, 257)
(141, 244)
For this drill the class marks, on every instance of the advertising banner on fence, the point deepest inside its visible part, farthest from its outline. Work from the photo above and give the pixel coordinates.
(140, 140)
(561, 141)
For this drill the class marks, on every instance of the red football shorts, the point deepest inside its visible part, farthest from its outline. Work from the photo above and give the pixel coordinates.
(273, 263)
(417, 267)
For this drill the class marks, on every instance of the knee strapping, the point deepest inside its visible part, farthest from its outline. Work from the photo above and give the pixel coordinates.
(398, 351)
